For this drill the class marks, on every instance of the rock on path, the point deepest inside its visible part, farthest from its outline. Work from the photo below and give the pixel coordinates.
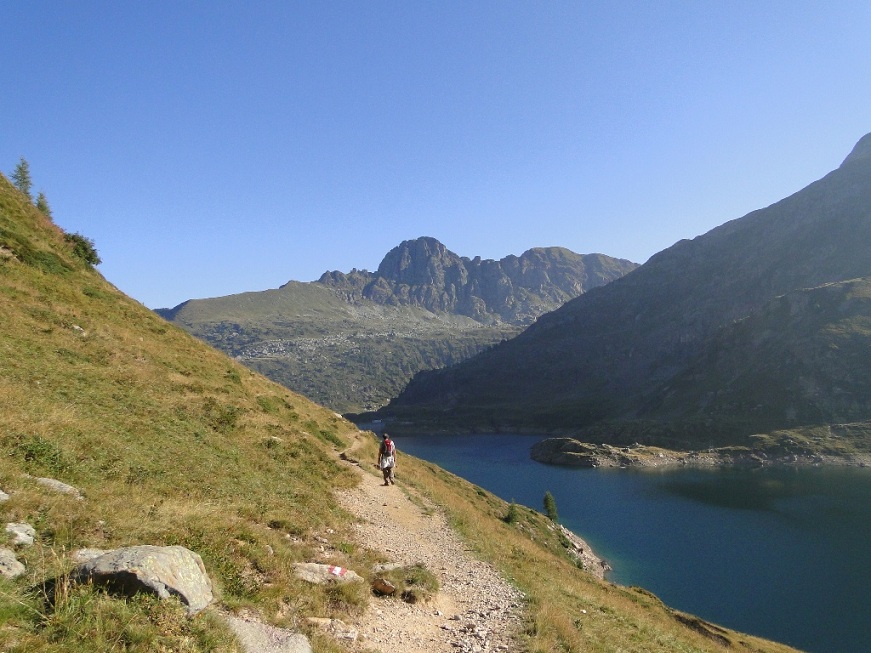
(475, 609)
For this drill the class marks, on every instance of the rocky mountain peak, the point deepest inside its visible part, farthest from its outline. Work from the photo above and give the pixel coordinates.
(516, 290)
(423, 261)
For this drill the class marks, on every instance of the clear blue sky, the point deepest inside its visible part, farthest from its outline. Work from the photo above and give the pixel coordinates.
(210, 148)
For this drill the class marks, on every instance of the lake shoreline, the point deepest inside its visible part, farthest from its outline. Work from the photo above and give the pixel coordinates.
(569, 452)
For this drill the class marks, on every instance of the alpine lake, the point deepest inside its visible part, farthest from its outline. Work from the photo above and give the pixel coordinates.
(779, 552)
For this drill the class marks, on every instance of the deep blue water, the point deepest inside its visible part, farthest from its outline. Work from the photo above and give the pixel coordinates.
(780, 553)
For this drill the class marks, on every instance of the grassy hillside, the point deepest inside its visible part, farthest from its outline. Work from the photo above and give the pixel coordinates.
(295, 333)
(171, 442)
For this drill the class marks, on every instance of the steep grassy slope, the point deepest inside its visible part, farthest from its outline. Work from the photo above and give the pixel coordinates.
(628, 359)
(171, 442)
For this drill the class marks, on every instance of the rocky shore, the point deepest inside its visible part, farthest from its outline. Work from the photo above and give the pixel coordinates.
(574, 453)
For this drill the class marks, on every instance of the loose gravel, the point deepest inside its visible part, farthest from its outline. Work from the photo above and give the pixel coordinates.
(475, 610)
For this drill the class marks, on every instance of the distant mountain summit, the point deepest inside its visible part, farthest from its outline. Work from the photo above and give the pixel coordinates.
(352, 340)
(763, 323)
(861, 151)
(516, 289)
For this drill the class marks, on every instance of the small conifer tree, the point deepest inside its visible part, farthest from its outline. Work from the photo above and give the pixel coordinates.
(21, 178)
(513, 514)
(550, 507)
(42, 204)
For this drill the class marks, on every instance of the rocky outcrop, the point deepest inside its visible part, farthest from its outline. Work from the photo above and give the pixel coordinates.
(515, 289)
(164, 571)
(583, 555)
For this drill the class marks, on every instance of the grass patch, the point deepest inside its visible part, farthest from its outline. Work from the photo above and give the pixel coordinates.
(414, 583)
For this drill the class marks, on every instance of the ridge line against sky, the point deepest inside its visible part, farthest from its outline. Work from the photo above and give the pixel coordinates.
(211, 148)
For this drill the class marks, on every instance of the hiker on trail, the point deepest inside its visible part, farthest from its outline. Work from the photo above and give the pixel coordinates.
(387, 458)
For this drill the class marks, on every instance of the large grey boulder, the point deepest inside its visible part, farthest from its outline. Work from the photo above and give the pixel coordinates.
(22, 534)
(165, 571)
(9, 566)
(257, 637)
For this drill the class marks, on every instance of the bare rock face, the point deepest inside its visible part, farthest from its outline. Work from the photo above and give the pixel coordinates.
(516, 289)
(165, 571)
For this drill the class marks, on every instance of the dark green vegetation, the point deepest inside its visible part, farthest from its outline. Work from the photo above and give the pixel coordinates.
(352, 341)
(171, 442)
(550, 507)
(760, 325)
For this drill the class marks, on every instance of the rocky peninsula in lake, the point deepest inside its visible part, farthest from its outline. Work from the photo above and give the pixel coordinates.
(570, 452)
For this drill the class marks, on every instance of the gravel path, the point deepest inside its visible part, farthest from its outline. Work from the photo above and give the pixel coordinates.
(475, 609)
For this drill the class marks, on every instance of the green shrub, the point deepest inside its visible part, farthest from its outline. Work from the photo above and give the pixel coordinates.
(512, 515)
(83, 248)
(550, 507)
(414, 584)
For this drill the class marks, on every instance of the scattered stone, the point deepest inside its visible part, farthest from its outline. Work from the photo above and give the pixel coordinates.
(164, 571)
(383, 586)
(22, 534)
(3, 496)
(58, 486)
(84, 555)
(335, 627)
(318, 574)
(380, 569)
(257, 637)
(582, 553)
(10, 567)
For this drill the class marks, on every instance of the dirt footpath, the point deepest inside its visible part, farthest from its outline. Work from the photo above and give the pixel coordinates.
(475, 609)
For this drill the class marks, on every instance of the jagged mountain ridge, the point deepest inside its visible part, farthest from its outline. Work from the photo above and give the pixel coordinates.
(606, 362)
(514, 289)
(353, 340)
